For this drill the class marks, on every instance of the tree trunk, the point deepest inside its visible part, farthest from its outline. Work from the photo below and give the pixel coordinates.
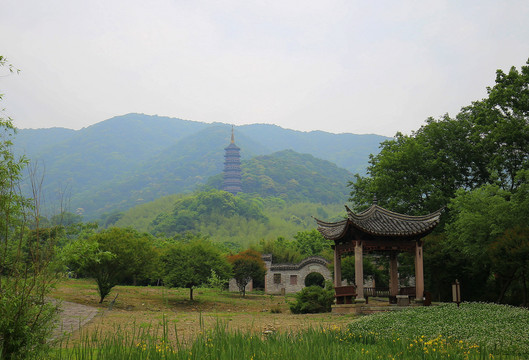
(191, 293)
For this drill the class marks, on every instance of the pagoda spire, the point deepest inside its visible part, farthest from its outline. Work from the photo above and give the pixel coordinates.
(232, 137)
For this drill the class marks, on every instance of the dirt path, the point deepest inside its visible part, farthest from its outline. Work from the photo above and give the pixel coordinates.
(73, 316)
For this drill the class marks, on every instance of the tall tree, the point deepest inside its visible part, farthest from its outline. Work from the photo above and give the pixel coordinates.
(487, 142)
(476, 163)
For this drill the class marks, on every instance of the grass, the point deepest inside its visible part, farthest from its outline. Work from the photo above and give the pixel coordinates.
(219, 343)
(137, 306)
(498, 328)
(224, 326)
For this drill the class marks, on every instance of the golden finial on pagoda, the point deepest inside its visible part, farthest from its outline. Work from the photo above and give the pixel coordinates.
(232, 137)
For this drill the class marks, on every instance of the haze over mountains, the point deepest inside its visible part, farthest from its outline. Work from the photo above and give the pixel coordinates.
(131, 159)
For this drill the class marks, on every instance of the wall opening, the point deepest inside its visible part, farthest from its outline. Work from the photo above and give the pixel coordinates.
(315, 279)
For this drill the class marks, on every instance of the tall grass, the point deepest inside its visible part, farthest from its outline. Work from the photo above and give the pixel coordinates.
(368, 340)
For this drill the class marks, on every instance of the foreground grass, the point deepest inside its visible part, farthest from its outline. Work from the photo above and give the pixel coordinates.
(498, 328)
(474, 331)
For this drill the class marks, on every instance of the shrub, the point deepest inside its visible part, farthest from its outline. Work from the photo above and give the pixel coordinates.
(313, 299)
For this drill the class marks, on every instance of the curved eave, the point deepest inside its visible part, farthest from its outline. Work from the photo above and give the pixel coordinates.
(332, 231)
(378, 221)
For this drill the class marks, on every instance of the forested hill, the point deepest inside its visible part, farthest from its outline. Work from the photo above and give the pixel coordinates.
(294, 177)
(135, 158)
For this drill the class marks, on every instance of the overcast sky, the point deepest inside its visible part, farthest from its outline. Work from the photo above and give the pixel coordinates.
(338, 66)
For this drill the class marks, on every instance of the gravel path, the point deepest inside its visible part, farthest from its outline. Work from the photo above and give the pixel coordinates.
(73, 316)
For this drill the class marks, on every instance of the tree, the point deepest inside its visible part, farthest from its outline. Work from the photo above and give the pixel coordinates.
(111, 257)
(214, 206)
(418, 174)
(371, 269)
(488, 230)
(247, 265)
(311, 243)
(476, 163)
(510, 261)
(486, 143)
(27, 318)
(282, 250)
(189, 265)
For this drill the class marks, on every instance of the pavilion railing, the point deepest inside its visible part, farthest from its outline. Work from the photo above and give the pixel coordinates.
(377, 292)
(347, 294)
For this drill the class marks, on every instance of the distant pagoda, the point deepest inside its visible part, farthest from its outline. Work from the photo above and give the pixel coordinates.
(232, 168)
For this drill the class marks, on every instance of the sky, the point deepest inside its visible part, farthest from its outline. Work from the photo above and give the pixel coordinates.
(364, 67)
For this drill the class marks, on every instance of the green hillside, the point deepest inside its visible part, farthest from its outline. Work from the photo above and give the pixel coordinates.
(241, 220)
(130, 159)
(293, 177)
(179, 168)
(349, 151)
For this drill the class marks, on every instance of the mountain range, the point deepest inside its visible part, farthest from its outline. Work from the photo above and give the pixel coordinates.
(135, 158)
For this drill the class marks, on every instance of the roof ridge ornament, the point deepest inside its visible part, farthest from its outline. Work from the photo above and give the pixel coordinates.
(375, 201)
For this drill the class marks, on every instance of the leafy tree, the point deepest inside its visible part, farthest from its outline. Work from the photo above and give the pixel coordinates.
(372, 269)
(510, 261)
(247, 265)
(476, 163)
(487, 142)
(111, 257)
(419, 173)
(282, 250)
(26, 317)
(189, 265)
(209, 207)
(311, 243)
(487, 230)
(442, 265)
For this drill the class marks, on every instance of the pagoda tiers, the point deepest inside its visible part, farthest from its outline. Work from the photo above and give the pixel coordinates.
(378, 230)
(232, 168)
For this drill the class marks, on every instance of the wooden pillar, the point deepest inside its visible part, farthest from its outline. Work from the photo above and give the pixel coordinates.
(393, 275)
(359, 272)
(419, 272)
(337, 267)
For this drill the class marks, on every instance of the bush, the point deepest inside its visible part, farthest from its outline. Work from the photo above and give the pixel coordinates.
(313, 299)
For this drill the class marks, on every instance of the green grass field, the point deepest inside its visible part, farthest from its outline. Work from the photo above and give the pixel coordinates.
(473, 331)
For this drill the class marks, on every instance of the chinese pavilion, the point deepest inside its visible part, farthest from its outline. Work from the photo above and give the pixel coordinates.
(382, 231)
(232, 168)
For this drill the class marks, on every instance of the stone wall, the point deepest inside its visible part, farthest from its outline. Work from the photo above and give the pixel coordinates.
(290, 278)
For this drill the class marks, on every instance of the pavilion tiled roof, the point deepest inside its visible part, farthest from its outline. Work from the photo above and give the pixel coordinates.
(378, 221)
